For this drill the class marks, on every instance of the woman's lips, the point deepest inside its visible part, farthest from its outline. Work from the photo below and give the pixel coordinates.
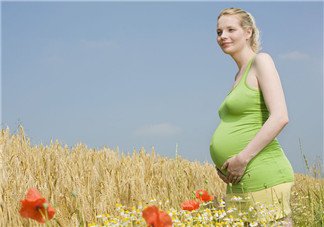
(225, 44)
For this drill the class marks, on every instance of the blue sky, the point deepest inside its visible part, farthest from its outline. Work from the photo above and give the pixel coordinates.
(143, 74)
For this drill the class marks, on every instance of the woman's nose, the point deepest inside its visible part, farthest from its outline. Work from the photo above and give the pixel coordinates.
(223, 35)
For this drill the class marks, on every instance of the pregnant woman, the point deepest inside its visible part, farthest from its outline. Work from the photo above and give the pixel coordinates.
(244, 147)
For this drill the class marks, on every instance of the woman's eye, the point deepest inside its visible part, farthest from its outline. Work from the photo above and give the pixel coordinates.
(231, 30)
(219, 33)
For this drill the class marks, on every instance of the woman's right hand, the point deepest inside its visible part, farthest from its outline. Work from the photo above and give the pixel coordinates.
(222, 176)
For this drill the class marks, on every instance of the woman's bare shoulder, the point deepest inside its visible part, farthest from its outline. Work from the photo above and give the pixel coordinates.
(263, 61)
(263, 57)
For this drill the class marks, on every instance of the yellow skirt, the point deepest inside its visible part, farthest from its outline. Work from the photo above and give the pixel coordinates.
(266, 205)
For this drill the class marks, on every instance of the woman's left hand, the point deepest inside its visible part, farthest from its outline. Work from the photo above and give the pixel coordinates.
(235, 168)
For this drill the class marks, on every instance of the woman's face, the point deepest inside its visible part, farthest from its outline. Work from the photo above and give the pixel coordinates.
(231, 37)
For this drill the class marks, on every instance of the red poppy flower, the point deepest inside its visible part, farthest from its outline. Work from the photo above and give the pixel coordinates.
(156, 218)
(190, 205)
(165, 219)
(203, 196)
(33, 206)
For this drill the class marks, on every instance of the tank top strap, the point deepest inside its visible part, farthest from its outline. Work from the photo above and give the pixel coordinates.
(243, 79)
(247, 69)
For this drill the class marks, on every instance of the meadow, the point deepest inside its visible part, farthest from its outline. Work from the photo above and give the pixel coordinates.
(89, 187)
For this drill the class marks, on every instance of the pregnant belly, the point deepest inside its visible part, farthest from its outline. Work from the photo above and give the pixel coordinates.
(229, 140)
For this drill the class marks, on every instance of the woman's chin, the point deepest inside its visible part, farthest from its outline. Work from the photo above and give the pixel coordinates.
(227, 50)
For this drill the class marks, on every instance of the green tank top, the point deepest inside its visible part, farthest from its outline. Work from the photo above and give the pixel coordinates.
(242, 114)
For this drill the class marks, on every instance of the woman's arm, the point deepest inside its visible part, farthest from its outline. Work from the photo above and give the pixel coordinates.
(273, 95)
(274, 98)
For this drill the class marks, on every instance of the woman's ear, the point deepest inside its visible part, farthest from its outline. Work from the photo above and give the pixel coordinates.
(248, 33)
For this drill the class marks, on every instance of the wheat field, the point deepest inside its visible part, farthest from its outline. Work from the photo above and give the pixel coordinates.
(81, 182)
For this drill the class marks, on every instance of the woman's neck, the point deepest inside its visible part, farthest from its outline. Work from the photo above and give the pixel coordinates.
(242, 58)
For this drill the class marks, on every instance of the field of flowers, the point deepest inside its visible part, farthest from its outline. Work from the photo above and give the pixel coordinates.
(78, 186)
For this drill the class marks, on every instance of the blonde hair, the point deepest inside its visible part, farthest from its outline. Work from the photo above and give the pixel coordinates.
(247, 20)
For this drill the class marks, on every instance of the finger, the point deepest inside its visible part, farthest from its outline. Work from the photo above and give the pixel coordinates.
(224, 179)
(222, 176)
(231, 178)
(225, 165)
(221, 173)
(234, 179)
(237, 180)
